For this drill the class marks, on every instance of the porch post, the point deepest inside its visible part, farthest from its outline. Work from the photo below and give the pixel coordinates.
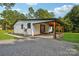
(59, 28)
(32, 29)
(54, 29)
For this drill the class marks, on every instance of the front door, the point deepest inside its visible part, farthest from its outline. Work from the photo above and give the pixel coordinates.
(42, 28)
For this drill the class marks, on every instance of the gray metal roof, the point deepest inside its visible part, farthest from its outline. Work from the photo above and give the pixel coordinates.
(37, 20)
(40, 19)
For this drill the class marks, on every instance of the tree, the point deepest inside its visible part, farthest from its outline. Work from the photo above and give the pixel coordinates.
(31, 13)
(73, 17)
(0, 22)
(67, 24)
(7, 5)
(52, 14)
(41, 13)
(12, 17)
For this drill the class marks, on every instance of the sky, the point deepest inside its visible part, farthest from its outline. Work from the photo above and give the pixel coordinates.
(59, 9)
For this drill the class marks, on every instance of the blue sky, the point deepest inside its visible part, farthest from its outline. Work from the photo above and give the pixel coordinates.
(59, 9)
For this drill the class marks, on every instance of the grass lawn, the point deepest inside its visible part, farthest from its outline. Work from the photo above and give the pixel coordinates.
(4, 36)
(72, 37)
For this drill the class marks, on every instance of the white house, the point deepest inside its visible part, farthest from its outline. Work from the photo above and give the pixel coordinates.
(33, 26)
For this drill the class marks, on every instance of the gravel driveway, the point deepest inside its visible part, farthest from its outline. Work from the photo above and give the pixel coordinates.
(38, 47)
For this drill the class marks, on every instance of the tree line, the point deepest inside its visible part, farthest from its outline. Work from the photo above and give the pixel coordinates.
(71, 20)
(10, 17)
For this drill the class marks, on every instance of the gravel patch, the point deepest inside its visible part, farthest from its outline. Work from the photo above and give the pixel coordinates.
(38, 47)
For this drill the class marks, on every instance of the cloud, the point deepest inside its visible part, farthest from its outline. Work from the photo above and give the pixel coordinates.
(76, 3)
(49, 10)
(62, 10)
(31, 4)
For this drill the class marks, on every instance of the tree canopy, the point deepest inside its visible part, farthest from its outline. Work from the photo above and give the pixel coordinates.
(7, 6)
(72, 18)
(12, 16)
(40, 13)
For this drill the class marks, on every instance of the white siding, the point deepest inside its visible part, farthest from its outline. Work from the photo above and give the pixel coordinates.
(17, 28)
(46, 28)
(36, 29)
(29, 31)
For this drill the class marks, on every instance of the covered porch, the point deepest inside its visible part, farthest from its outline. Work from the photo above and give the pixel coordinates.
(41, 28)
(51, 29)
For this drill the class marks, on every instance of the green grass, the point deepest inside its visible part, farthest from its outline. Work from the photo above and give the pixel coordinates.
(71, 37)
(4, 36)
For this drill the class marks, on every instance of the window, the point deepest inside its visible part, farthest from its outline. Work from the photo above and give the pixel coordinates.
(21, 26)
(29, 25)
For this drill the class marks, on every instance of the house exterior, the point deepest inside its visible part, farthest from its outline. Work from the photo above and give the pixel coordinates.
(33, 26)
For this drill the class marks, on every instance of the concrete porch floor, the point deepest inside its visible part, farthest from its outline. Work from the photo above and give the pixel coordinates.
(49, 35)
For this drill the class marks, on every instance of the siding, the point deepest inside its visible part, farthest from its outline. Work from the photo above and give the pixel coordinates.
(46, 28)
(17, 28)
(36, 29)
